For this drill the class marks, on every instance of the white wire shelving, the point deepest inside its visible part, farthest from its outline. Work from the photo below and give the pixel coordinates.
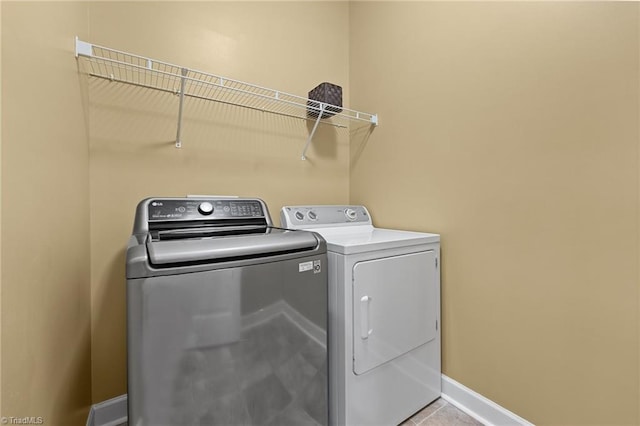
(123, 67)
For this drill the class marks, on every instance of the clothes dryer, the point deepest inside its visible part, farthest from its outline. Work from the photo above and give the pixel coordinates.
(384, 314)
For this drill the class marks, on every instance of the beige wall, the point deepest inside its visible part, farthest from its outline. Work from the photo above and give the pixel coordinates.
(45, 222)
(512, 129)
(226, 150)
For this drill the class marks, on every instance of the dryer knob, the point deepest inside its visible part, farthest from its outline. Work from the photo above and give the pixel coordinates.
(205, 208)
(312, 215)
(350, 214)
(299, 216)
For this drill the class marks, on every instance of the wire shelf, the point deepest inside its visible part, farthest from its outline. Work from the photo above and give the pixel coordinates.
(123, 67)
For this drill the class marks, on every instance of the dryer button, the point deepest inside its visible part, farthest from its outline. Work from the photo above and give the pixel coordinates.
(350, 214)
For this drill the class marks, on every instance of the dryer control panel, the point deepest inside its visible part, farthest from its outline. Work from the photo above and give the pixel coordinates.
(301, 217)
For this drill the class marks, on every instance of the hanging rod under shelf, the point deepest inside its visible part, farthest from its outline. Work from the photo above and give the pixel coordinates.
(123, 67)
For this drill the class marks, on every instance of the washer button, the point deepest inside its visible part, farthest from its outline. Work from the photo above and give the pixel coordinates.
(205, 208)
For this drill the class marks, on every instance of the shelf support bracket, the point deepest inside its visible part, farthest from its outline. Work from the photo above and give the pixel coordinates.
(313, 131)
(184, 72)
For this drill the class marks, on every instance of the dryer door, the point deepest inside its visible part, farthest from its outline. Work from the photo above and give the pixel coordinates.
(394, 307)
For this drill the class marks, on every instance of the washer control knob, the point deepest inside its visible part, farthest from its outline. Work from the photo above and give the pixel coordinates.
(205, 208)
(312, 215)
(299, 216)
(350, 214)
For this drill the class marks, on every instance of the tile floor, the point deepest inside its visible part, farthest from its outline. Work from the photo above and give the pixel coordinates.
(441, 413)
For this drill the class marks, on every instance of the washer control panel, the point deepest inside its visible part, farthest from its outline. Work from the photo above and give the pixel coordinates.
(194, 209)
(299, 217)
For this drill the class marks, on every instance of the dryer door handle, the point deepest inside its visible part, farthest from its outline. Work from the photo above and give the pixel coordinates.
(365, 330)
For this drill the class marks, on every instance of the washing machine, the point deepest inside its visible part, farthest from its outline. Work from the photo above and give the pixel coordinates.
(226, 316)
(384, 315)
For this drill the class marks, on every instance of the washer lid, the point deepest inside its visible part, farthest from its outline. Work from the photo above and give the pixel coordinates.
(366, 238)
(170, 253)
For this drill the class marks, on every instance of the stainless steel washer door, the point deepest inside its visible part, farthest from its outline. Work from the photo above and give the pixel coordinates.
(240, 346)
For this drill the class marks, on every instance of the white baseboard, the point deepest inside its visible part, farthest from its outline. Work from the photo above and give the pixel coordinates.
(477, 406)
(112, 412)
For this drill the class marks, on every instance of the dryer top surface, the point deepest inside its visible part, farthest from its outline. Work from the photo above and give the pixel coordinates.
(366, 238)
